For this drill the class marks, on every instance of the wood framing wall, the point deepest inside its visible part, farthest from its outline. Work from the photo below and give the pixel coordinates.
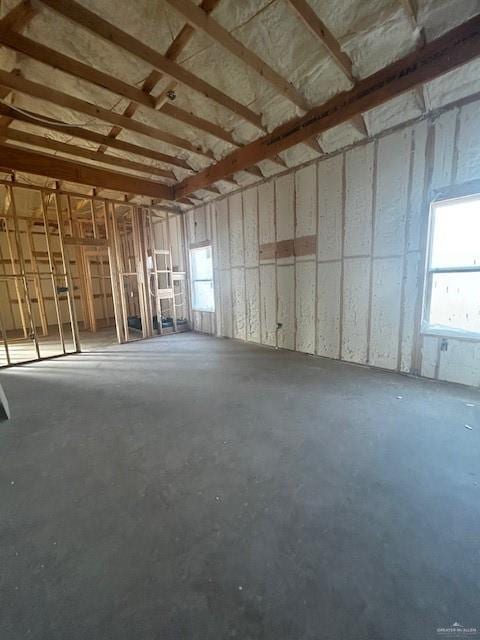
(329, 258)
(70, 263)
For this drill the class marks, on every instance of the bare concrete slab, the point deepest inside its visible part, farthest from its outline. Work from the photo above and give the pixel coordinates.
(191, 487)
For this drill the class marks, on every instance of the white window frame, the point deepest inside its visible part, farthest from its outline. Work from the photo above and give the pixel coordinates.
(427, 328)
(192, 249)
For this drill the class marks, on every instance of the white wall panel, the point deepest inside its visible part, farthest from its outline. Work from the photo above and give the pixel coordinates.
(200, 225)
(286, 306)
(236, 229)
(468, 144)
(356, 287)
(306, 201)
(429, 356)
(412, 285)
(250, 226)
(330, 208)
(444, 149)
(266, 212)
(305, 306)
(358, 200)
(268, 304)
(284, 192)
(252, 295)
(460, 362)
(417, 212)
(223, 243)
(385, 312)
(328, 309)
(226, 302)
(238, 303)
(393, 173)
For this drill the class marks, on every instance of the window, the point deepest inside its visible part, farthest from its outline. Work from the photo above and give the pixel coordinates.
(202, 279)
(452, 292)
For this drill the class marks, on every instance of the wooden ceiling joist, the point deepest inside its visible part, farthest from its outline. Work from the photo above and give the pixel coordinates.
(322, 33)
(52, 58)
(155, 76)
(454, 48)
(91, 136)
(198, 19)
(96, 24)
(81, 152)
(58, 98)
(42, 164)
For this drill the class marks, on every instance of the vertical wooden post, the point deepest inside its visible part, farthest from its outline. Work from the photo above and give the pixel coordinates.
(24, 280)
(68, 276)
(113, 265)
(52, 268)
(5, 340)
(37, 281)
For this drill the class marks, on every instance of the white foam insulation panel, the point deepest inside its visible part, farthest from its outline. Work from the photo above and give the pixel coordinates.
(359, 296)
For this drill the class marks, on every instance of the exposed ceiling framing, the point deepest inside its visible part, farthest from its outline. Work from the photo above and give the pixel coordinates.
(170, 174)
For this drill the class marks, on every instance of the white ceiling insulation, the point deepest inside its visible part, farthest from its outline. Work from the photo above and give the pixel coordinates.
(373, 33)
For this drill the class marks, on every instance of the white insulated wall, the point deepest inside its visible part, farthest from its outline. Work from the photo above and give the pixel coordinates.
(359, 297)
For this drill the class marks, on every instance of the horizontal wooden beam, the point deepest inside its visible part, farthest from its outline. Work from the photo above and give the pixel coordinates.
(101, 27)
(42, 164)
(201, 21)
(85, 242)
(89, 154)
(92, 136)
(454, 48)
(58, 98)
(52, 58)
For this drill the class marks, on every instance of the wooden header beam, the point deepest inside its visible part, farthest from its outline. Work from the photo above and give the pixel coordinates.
(454, 48)
(41, 164)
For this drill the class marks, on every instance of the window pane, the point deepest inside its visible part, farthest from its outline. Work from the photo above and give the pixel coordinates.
(201, 263)
(455, 301)
(456, 234)
(203, 295)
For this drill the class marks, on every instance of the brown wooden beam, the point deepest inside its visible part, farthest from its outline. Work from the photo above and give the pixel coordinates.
(57, 60)
(85, 134)
(89, 154)
(318, 28)
(48, 94)
(454, 48)
(95, 23)
(198, 19)
(42, 164)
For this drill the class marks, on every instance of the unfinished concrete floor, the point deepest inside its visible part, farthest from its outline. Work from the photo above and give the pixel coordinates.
(190, 487)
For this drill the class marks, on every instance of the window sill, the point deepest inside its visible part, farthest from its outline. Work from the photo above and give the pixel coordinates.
(451, 333)
(204, 310)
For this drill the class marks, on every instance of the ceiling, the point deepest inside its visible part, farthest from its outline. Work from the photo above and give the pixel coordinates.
(369, 34)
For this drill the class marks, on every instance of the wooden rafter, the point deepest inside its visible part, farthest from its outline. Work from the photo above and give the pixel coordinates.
(454, 48)
(322, 33)
(93, 22)
(198, 19)
(55, 145)
(91, 136)
(42, 164)
(40, 91)
(155, 76)
(77, 69)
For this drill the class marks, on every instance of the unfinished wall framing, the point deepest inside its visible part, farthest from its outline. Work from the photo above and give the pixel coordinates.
(329, 258)
(73, 266)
